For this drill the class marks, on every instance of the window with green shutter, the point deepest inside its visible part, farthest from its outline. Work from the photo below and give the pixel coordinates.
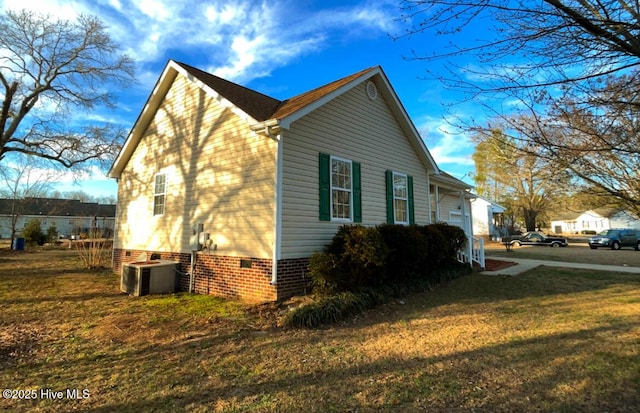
(340, 189)
(400, 207)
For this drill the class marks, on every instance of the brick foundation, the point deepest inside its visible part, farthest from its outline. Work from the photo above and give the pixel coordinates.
(245, 278)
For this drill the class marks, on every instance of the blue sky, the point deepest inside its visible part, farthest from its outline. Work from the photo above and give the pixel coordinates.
(280, 48)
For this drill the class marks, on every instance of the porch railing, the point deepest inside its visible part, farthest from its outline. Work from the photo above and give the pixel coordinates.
(473, 252)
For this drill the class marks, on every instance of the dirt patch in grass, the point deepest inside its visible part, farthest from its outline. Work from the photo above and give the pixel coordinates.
(549, 340)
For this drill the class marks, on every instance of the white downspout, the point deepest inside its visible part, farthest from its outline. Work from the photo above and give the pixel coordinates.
(113, 245)
(272, 129)
(277, 242)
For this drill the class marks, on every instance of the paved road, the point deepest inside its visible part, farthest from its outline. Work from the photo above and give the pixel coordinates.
(528, 264)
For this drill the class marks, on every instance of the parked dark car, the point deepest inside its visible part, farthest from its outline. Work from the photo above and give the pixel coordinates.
(616, 238)
(538, 238)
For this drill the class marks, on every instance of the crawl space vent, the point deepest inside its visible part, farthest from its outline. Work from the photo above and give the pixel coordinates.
(372, 90)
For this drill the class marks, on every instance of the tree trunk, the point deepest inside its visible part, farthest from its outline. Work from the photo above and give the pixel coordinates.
(530, 219)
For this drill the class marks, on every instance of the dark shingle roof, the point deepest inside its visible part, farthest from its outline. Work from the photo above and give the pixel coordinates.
(262, 107)
(290, 106)
(57, 207)
(257, 105)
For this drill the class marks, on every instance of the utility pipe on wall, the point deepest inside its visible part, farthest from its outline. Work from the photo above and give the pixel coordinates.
(192, 271)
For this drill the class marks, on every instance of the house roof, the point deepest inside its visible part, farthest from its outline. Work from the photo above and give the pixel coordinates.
(258, 106)
(451, 181)
(55, 207)
(296, 103)
(259, 109)
(598, 212)
(494, 205)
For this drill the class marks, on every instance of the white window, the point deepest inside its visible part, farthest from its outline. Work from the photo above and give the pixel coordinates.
(159, 192)
(341, 189)
(400, 198)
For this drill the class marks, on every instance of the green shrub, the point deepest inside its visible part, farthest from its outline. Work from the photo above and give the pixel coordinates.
(52, 234)
(407, 250)
(324, 273)
(32, 233)
(436, 248)
(454, 237)
(364, 257)
(355, 258)
(361, 257)
(363, 267)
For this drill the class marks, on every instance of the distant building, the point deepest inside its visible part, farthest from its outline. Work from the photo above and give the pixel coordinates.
(69, 216)
(488, 219)
(593, 220)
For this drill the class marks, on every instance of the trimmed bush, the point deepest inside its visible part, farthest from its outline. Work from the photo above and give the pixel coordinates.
(407, 250)
(324, 273)
(436, 248)
(355, 258)
(361, 257)
(454, 239)
(363, 267)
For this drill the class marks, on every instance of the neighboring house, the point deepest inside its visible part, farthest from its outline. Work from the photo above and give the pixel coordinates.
(593, 220)
(488, 219)
(68, 216)
(269, 182)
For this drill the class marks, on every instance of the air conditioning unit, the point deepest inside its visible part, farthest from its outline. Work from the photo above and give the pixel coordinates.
(148, 277)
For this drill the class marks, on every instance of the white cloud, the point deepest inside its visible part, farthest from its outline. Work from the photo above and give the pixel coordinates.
(240, 40)
(447, 145)
(59, 8)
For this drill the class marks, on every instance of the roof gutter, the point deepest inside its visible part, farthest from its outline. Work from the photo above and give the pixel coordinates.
(269, 127)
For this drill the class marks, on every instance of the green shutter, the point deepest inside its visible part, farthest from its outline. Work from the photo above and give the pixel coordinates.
(412, 215)
(357, 192)
(324, 161)
(389, 180)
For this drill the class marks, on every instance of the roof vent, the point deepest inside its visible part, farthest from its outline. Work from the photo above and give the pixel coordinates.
(372, 90)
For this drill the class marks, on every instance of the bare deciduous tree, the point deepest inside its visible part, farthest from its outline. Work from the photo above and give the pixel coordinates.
(50, 69)
(528, 44)
(22, 179)
(570, 68)
(515, 176)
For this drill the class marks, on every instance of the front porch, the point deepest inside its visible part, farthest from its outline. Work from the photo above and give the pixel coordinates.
(473, 252)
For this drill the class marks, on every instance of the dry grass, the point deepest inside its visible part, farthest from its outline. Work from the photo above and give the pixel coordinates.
(551, 340)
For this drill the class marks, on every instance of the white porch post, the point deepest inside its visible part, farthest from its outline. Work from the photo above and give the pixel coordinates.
(465, 227)
(429, 199)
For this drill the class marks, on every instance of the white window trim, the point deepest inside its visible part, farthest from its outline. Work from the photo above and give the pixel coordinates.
(331, 188)
(157, 194)
(405, 199)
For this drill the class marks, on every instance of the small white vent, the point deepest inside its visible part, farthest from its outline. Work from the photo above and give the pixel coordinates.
(372, 90)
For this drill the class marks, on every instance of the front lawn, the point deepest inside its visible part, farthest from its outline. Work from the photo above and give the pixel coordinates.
(550, 340)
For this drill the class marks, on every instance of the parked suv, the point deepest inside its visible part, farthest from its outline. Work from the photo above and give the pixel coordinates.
(616, 238)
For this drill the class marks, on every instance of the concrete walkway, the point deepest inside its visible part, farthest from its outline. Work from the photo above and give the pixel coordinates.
(527, 264)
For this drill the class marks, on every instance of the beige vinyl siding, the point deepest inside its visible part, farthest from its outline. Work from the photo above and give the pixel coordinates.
(219, 173)
(352, 127)
(448, 203)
